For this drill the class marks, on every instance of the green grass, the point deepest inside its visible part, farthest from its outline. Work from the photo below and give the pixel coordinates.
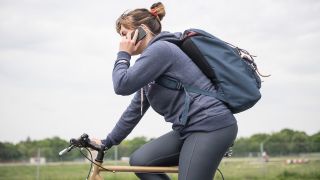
(275, 170)
(233, 169)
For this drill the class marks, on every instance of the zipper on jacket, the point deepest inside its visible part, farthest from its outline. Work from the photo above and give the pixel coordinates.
(141, 101)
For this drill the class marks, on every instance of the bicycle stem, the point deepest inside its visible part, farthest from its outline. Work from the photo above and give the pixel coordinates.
(95, 172)
(100, 156)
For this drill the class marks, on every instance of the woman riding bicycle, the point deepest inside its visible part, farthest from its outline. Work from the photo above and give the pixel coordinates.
(196, 146)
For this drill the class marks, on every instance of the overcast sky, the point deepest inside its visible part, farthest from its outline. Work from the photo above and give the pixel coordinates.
(56, 59)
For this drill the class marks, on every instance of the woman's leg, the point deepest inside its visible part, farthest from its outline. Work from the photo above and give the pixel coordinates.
(163, 151)
(202, 152)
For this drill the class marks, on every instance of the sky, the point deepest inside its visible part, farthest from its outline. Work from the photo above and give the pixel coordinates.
(56, 61)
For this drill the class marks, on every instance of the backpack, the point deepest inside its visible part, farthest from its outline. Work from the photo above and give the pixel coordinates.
(235, 78)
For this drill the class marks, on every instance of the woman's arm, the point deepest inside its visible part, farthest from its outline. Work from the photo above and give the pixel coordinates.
(153, 62)
(129, 119)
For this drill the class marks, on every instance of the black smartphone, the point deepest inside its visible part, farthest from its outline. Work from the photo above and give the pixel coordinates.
(141, 34)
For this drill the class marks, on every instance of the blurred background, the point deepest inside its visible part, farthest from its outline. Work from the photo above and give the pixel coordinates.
(56, 60)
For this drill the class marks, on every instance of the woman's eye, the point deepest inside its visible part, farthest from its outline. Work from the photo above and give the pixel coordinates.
(123, 34)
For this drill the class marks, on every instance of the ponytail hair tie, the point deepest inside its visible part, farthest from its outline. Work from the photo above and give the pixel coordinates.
(153, 11)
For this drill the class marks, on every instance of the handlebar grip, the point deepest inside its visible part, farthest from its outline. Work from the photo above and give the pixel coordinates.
(66, 150)
(63, 152)
(95, 146)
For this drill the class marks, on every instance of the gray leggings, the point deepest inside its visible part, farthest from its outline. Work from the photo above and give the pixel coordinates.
(198, 156)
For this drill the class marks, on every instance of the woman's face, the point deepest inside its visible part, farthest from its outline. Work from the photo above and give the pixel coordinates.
(124, 32)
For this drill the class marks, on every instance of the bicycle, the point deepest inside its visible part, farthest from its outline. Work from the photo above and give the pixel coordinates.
(96, 166)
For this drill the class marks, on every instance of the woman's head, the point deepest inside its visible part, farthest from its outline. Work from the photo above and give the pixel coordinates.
(149, 18)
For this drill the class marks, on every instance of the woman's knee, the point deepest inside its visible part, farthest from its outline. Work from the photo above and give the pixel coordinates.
(137, 160)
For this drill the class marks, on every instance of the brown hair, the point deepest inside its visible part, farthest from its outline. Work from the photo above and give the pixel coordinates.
(151, 18)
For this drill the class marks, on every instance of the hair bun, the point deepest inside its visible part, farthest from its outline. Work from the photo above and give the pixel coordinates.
(159, 9)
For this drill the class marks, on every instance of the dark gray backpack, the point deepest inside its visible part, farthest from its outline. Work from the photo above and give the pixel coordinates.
(235, 77)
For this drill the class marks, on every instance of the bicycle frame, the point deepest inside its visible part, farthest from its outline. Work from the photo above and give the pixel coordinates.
(97, 168)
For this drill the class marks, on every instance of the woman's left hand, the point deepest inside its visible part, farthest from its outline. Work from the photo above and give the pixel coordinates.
(129, 45)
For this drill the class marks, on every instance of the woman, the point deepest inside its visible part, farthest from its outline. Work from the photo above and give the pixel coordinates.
(197, 146)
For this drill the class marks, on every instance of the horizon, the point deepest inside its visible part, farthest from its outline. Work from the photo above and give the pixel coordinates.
(148, 138)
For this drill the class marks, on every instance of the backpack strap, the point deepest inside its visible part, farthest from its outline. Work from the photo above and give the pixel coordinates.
(175, 84)
(169, 83)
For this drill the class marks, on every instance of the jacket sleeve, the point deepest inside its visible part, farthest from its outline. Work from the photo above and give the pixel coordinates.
(129, 119)
(154, 61)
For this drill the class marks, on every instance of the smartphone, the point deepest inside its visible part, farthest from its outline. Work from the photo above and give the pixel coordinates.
(141, 34)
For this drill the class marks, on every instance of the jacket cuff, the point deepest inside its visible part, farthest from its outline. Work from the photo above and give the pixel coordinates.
(123, 55)
(107, 143)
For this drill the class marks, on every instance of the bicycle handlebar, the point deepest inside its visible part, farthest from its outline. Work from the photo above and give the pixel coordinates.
(82, 142)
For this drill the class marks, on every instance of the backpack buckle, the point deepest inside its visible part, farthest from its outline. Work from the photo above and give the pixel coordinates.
(188, 34)
(169, 82)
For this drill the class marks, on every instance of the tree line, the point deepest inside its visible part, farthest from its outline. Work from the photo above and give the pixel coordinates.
(285, 142)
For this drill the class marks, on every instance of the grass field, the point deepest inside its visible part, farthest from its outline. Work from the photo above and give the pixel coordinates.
(233, 169)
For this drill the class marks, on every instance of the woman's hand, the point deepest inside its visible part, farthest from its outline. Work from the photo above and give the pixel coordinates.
(129, 45)
(96, 141)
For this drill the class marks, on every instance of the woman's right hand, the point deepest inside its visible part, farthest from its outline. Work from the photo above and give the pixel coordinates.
(96, 141)
(127, 44)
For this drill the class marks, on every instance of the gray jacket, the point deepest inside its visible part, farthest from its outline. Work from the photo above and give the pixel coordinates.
(164, 58)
